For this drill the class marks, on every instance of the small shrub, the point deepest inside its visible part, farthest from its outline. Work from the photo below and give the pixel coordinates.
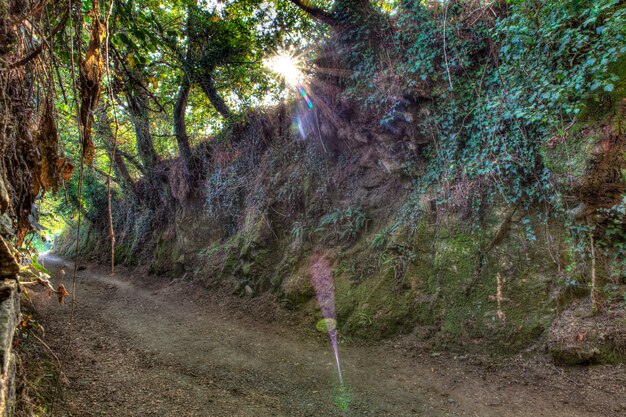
(298, 231)
(342, 225)
(381, 238)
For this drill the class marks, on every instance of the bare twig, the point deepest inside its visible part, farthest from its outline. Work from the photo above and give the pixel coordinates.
(54, 355)
(445, 52)
(114, 146)
(35, 52)
(594, 277)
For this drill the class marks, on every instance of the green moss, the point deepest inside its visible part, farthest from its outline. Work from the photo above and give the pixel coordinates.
(571, 157)
(296, 288)
(371, 300)
(608, 355)
(449, 290)
(230, 255)
(165, 256)
(600, 108)
(454, 266)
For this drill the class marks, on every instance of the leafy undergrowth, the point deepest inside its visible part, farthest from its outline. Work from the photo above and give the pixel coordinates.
(39, 377)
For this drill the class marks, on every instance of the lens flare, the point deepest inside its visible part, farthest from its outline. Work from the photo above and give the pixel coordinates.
(322, 280)
(306, 98)
(287, 66)
(323, 284)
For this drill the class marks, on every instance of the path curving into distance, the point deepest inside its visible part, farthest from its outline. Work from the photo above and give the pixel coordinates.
(145, 346)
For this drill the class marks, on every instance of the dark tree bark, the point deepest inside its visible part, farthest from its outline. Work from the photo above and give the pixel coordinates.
(121, 171)
(122, 174)
(196, 72)
(207, 85)
(345, 13)
(138, 108)
(316, 13)
(132, 159)
(180, 127)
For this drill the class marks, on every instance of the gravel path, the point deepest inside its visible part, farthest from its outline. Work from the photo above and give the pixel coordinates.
(142, 346)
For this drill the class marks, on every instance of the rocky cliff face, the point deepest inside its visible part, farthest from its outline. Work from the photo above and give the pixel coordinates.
(20, 169)
(9, 317)
(487, 278)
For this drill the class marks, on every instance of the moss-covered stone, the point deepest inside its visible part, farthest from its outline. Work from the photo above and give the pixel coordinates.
(577, 336)
(166, 253)
(296, 287)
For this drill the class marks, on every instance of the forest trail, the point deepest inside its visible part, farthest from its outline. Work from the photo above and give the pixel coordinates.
(145, 347)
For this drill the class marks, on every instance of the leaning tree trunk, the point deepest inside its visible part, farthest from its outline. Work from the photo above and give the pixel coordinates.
(180, 127)
(207, 85)
(120, 169)
(138, 109)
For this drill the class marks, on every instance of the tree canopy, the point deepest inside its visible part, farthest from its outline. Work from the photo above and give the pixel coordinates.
(124, 86)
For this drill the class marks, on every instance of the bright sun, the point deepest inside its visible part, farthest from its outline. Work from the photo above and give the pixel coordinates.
(286, 65)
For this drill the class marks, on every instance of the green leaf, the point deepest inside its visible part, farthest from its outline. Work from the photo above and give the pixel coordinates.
(125, 39)
(39, 267)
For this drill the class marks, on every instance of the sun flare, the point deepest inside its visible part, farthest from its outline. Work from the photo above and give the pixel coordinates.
(287, 66)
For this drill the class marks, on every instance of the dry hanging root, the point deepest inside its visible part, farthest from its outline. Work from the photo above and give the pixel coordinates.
(62, 293)
(29, 160)
(46, 173)
(90, 77)
(65, 168)
(91, 69)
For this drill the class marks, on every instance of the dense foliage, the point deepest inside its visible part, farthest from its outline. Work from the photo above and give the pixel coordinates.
(501, 84)
(496, 93)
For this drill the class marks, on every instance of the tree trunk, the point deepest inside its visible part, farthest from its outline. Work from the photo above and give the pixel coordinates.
(197, 73)
(137, 106)
(121, 171)
(345, 14)
(180, 127)
(119, 165)
(208, 86)
(316, 13)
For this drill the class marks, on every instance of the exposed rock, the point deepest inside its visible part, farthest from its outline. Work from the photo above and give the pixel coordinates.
(5, 201)
(178, 269)
(390, 165)
(249, 290)
(297, 287)
(8, 265)
(580, 212)
(179, 266)
(9, 315)
(6, 226)
(576, 337)
(574, 354)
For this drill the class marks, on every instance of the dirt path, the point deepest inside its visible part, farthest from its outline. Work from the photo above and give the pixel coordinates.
(146, 348)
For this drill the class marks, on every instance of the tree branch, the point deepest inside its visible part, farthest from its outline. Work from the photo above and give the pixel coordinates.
(136, 81)
(179, 125)
(207, 85)
(130, 158)
(316, 13)
(35, 52)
